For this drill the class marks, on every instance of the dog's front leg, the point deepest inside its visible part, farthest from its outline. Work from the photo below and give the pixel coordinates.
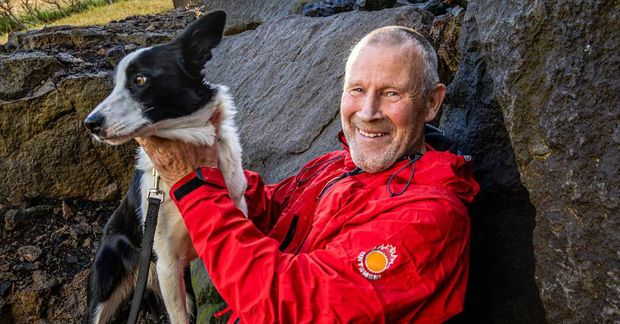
(170, 274)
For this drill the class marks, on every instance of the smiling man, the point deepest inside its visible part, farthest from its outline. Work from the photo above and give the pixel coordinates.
(377, 232)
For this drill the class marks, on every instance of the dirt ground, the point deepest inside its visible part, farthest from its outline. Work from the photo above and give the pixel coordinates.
(47, 248)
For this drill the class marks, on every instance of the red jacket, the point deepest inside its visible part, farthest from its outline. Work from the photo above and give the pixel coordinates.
(319, 250)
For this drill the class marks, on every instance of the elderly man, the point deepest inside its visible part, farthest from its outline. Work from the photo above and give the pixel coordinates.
(376, 232)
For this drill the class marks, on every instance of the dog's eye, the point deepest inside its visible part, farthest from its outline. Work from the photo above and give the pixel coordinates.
(139, 80)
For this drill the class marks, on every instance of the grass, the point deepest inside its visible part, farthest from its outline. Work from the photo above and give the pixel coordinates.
(19, 9)
(103, 14)
(115, 11)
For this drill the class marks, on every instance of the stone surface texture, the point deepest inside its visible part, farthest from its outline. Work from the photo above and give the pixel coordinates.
(23, 71)
(536, 102)
(47, 152)
(243, 15)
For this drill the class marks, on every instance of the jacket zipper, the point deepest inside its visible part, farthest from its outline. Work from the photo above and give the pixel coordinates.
(289, 234)
(333, 181)
(328, 185)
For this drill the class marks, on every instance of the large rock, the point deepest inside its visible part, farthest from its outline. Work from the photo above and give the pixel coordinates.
(45, 151)
(71, 303)
(244, 15)
(288, 89)
(207, 298)
(536, 102)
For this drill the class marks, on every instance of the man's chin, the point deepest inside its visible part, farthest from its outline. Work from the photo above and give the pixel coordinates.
(371, 165)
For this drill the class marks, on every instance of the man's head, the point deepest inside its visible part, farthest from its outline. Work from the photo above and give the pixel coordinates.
(391, 89)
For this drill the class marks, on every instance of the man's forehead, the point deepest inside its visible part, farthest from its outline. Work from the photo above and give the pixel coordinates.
(395, 59)
(408, 48)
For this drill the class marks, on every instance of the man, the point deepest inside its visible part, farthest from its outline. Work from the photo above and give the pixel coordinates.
(376, 232)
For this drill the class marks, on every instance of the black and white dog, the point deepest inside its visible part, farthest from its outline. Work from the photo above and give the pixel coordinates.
(160, 91)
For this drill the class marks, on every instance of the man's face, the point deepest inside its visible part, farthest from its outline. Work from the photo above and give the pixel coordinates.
(382, 108)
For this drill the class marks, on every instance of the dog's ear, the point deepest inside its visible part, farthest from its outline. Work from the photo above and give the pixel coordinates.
(199, 38)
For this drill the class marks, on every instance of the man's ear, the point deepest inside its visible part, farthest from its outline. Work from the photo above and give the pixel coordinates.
(433, 101)
(197, 40)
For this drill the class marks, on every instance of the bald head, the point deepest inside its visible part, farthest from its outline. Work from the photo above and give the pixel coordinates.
(398, 36)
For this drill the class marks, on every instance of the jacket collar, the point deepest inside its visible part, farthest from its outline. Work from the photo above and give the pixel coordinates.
(436, 167)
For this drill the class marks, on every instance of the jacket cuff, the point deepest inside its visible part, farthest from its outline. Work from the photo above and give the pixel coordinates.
(200, 177)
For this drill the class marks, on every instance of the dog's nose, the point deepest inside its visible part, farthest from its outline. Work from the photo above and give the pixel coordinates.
(94, 122)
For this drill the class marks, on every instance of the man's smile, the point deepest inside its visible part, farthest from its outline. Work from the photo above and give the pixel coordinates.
(371, 134)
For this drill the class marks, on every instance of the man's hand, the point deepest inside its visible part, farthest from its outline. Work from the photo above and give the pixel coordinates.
(174, 159)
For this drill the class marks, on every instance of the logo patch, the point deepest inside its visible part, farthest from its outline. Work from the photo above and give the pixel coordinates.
(374, 262)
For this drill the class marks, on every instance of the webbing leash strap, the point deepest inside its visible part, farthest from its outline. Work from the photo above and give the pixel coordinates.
(146, 249)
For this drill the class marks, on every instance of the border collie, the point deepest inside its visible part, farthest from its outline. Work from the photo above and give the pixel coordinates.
(160, 91)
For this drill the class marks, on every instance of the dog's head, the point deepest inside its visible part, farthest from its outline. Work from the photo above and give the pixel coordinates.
(158, 84)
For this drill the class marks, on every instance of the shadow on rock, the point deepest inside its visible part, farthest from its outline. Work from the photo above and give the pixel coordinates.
(501, 286)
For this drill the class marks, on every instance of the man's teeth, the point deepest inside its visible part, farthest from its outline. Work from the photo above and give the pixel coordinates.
(371, 134)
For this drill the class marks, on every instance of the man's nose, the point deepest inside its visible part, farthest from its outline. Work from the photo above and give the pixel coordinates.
(370, 108)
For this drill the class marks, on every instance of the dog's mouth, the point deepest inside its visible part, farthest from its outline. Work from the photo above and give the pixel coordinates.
(117, 138)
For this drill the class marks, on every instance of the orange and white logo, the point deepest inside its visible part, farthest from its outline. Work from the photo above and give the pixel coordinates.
(374, 262)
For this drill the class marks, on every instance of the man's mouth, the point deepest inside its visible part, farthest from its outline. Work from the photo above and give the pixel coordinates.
(371, 134)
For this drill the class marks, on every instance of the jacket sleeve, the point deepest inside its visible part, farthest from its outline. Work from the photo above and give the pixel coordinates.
(263, 285)
(266, 202)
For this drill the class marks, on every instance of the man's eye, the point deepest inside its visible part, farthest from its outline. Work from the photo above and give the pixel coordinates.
(357, 90)
(391, 93)
(139, 80)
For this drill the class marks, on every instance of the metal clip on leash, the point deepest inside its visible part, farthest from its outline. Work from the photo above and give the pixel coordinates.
(155, 191)
(155, 197)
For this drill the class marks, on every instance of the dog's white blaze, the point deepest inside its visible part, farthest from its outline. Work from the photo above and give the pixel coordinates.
(123, 115)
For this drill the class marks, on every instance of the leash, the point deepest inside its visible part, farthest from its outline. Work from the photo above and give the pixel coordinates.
(147, 247)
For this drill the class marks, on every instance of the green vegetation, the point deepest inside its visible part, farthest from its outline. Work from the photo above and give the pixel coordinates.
(23, 14)
(31, 14)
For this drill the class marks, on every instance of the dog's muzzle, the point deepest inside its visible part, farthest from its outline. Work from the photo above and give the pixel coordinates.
(94, 122)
